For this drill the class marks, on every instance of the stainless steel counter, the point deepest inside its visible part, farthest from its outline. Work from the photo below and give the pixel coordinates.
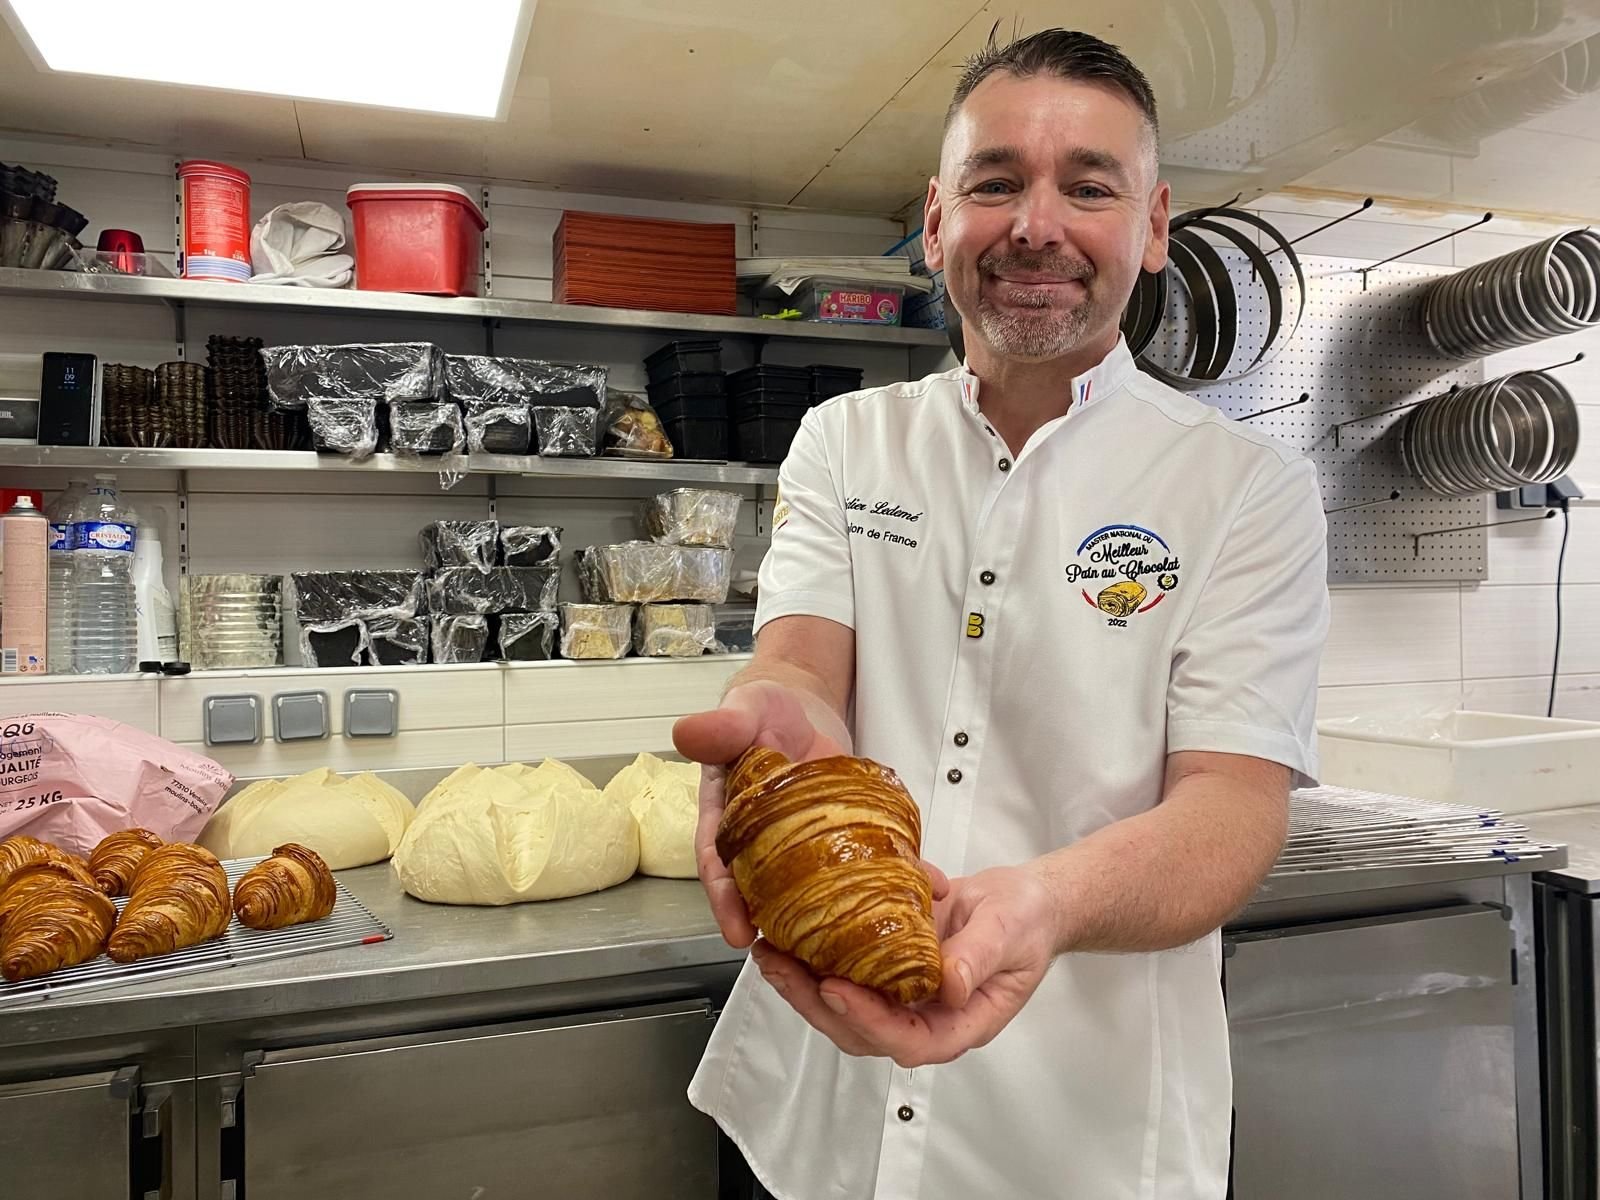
(644, 926)
(1579, 830)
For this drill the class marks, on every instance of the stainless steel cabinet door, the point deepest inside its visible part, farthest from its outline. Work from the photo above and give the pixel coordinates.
(1374, 1059)
(67, 1137)
(575, 1108)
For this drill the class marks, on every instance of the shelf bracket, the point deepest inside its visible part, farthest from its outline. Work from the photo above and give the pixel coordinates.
(488, 262)
(494, 497)
(183, 523)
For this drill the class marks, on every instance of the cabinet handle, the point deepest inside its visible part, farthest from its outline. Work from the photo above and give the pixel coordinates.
(153, 1154)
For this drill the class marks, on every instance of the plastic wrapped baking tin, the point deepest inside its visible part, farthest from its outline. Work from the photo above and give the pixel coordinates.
(674, 630)
(362, 370)
(691, 517)
(349, 427)
(464, 590)
(527, 637)
(460, 544)
(644, 572)
(596, 630)
(333, 597)
(458, 638)
(529, 545)
(567, 432)
(426, 427)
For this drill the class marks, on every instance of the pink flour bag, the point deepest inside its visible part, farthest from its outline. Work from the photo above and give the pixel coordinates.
(71, 779)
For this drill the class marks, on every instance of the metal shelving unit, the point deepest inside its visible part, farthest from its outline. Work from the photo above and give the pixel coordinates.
(15, 281)
(110, 458)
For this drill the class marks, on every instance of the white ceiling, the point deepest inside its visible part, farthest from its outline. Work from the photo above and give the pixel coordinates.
(838, 104)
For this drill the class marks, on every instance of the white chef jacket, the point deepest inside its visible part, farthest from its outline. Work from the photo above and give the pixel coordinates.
(1033, 637)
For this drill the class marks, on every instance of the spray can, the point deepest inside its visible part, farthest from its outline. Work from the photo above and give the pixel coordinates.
(23, 623)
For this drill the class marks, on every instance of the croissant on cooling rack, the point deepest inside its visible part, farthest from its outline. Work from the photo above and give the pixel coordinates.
(20, 851)
(61, 925)
(178, 898)
(827, 856)
(39, 876)
(117, 857)
(291, 887)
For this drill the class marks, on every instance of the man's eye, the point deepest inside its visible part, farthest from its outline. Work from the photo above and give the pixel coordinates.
(992, 187)
(1090, 191)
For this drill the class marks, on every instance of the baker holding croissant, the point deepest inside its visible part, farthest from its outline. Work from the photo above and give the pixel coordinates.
(1061, 623)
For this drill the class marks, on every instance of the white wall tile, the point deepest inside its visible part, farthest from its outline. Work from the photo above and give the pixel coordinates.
(1577, 696)
(1363, 699)
(1393, 635)
(577, 739)
(1527, 553)
(422, 748)
(133, 700)
(1510, 630)
(599, 691)
(431, 697)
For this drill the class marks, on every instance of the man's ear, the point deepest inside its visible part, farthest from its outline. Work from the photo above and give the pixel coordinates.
(1155, 242)
(932, 221)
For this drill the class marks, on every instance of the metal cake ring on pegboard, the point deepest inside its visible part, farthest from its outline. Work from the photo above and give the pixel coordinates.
(1201, 274)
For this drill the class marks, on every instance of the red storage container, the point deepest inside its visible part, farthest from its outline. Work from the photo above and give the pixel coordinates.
(415, 237)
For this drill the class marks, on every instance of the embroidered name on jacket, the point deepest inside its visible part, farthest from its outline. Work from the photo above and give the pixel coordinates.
(1123, 571)
(855, 505)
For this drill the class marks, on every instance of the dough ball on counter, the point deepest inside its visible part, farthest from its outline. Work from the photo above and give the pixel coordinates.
(516, 833)
(349, 822)
(664, 798)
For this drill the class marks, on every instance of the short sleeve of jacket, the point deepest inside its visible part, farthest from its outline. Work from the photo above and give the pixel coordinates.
(1244, 670)
(807, 569)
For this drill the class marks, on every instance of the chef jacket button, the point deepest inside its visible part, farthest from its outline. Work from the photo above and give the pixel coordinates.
(904, 1112)
(961, 738)
(986, 578)
(953, 775)
(1005, 464)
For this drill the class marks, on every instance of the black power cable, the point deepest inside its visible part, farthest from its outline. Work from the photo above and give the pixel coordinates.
(1561, 559)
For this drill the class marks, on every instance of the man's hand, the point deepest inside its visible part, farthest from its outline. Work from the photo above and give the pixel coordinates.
(998, 934)
(753, 714)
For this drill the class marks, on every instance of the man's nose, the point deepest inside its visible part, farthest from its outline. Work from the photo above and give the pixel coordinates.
(1039, 221)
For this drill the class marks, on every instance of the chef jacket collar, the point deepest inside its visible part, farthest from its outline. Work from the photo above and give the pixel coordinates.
(1100, 381)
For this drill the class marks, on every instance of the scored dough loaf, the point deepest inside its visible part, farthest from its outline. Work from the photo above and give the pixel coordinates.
(349, 822)
(664, 798)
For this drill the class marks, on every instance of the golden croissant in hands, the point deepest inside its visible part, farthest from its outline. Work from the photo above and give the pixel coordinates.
(291, 887)
(178, 898)
(117, 857)
(59, 925)
(827, 856)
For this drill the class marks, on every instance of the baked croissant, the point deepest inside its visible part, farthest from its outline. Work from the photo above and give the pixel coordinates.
(291, 887)
(117, 857)
(40, 876)
(59, 926)
(827, 856)
(21, 851)
(178, 898)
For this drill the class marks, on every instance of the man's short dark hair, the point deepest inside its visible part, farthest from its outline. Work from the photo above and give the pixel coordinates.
(1065, 53)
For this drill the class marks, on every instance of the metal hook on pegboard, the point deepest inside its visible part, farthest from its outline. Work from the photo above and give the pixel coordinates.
(1304, 396)
(1576, 358)
(1365, 271)
(1311, 233)
(1384, 412)
(1390, 499)
(1416, 538)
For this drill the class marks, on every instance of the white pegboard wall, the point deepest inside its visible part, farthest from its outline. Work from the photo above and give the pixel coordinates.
(1357, 352)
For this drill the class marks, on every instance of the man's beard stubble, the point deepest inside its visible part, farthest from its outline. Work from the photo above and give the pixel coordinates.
(1021, 335)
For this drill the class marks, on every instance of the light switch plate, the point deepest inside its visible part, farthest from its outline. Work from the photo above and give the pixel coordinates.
(300, 716)
(371, 712)
(232, 720)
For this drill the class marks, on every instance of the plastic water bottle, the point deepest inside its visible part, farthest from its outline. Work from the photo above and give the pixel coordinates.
(104, 530)
(60, 608)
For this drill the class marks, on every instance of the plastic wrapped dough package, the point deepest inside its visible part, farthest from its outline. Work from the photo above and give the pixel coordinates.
(529, 545)
(460, 544)
(426, 427)
(349, 427)
(527, 637)
(458, 638)
(645, 573)
(596, 630)
(674, 630)
(467, 590)
(566, 432)
(364, 370)
(691, 517)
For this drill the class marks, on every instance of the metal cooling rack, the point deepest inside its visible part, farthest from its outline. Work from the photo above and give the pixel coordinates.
(349, 924)
(1333, 828)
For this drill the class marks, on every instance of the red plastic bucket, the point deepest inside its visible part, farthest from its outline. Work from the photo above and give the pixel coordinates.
(216, 221)
(421, 238)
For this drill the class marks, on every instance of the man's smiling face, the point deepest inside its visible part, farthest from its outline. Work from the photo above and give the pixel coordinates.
(1044, 211)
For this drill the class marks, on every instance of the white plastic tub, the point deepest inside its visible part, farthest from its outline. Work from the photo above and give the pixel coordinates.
(1486, 760)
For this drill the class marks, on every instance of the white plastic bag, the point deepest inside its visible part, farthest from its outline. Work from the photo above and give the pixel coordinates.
(299, 243)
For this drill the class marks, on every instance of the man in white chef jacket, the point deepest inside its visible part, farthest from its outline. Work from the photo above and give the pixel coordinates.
(1080, 613)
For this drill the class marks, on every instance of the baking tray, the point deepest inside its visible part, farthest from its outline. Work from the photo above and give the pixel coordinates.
(349, 924)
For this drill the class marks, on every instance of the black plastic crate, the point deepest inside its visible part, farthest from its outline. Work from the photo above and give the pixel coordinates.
(770, 377)
(764, 439)
(689, 355)
(828, 382)
(677, 387)
(785, 406)
(697, 437)
(698, 408)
